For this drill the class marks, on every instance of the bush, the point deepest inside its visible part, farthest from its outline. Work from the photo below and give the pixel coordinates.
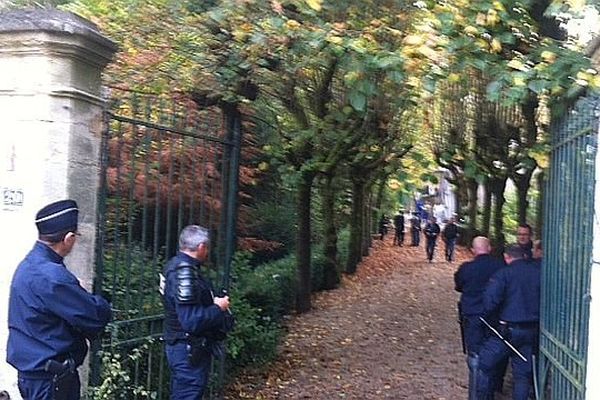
(273, 221)
(270, 287)
(254, 339)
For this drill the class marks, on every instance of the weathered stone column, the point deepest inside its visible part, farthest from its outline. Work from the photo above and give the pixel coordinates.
(51, 107)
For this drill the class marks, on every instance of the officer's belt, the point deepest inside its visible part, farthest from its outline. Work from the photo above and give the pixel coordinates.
(43, 374)
(36, 375)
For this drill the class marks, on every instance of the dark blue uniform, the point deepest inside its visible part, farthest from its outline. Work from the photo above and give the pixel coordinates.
(432, 231)
(415, 229)
(514, 294)
(450, 234)
(192, 327)
(49, 318)
(471, 279)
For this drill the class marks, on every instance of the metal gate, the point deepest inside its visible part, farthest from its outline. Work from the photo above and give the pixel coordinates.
(166, 163)
(569, 212)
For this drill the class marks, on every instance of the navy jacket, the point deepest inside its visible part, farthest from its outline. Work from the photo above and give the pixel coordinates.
(201, 319)
(432, 230)
(471, 279)
(49, 314)
(514, 292)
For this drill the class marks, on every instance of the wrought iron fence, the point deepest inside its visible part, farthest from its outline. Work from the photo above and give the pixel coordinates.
(166, 163)
(568, 226)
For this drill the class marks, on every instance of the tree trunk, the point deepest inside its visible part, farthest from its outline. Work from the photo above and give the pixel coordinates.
(356, 225)
(539, 220)
(522, 183)
(303, 245)
(331, 277)
(487, 209)
(368, 225)
(472, 193)
(498, 187)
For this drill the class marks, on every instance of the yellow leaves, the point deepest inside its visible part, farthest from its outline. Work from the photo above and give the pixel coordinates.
(541, 158)
(470, 30)
(352, 76)
(496, 46)
(394, 184)
(585, 78)
(263, 166)
(412, 65)
(427, 51)
(335, 39)
(492, 17)
(498, 6)
(548, 56)
(517, 64)
(595, 82)
(414, 40)
(453, 77)
(315, 4)
(292, 24)
(481, 19)
(242, 32)
(518, 80)
(576, 5)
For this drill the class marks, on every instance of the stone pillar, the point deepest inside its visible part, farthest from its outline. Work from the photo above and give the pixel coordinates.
(51, 108)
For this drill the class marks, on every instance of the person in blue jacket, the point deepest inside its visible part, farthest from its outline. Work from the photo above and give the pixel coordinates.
(50, 315)
(513, 294)
(470, 280)
(195, 320)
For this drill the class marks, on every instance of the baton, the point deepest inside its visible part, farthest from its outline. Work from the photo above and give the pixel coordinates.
(510, 346)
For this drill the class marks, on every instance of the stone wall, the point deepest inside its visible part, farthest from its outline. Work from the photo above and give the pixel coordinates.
(51, 108)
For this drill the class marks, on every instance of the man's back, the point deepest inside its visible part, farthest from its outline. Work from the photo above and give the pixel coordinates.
(50, 314)
(471, 279)
(515, 292)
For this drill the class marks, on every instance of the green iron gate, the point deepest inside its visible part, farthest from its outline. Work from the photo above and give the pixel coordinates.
(569, 212)
(166, 164)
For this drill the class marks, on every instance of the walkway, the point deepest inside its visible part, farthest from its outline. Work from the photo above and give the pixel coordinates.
(390, 332)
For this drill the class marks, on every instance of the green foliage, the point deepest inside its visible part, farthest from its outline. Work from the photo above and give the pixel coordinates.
(116, 381)
(274, 220)
(510, 213)
(255, 337)
(131, 279)
(270, 287)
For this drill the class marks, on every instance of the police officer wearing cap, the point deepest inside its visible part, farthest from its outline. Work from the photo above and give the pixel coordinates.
(513, 293)
(50, 315)
(195, 320)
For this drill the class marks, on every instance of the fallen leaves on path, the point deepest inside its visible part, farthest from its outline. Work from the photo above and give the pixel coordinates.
(389, 332)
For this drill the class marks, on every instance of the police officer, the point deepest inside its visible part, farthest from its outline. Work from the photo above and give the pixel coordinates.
(195, 320)
(524, 233)
(432, 231)
(399, 228)
(449, 234)
(514, 294)
(415, 228)
(50, 316)
(470, 280)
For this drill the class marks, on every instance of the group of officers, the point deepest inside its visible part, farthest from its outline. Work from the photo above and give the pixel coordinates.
(499, 312)
(431, 231)
(52, 318)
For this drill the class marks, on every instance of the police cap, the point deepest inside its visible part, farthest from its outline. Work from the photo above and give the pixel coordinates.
(57, 217)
